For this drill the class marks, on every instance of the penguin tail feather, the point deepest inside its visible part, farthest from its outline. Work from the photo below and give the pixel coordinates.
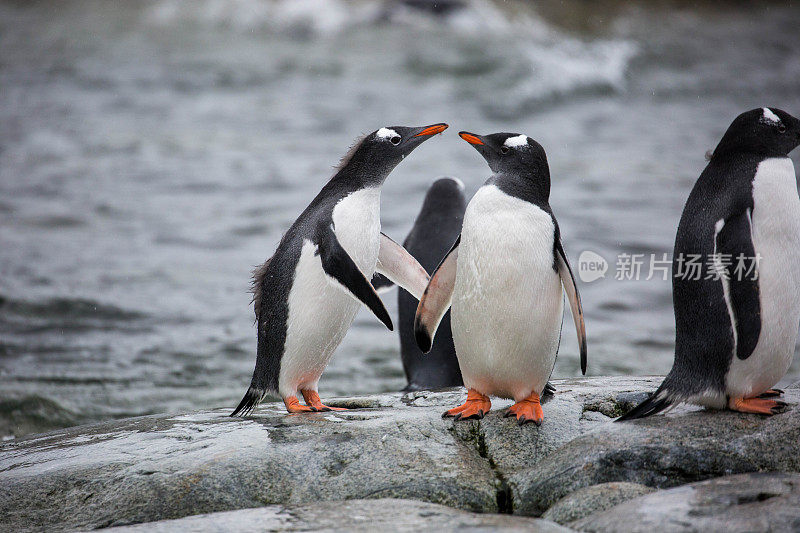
(656, 403)
(251, 399)
(549, 391)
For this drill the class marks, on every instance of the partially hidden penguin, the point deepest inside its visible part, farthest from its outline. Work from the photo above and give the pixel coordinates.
(436, 227)
(308, 293)
(737, 316)
(504, 280)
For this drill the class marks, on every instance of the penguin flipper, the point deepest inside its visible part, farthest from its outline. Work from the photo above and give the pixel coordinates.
(342, 270)
(734, 240)
(381, 283)
(436, 299)
(568, 281)
(400, 267)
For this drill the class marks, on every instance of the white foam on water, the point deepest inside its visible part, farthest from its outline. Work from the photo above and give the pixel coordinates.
(318, 17)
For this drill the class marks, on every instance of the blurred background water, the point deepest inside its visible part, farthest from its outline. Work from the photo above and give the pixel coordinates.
(153, 152)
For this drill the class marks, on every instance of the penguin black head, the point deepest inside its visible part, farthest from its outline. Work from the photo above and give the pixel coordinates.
(511, 153)
(445, 188)
(444, 196)
(765, 131)
(374, 156)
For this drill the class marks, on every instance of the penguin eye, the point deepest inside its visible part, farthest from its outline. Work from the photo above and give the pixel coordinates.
(504, 149)
(395, 140)
(782, 128)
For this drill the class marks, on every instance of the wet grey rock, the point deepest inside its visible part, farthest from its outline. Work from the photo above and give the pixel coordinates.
(151, 468)
(588, 500)
(354, 515)
(741, 503)
(684, 446)
(389, 446)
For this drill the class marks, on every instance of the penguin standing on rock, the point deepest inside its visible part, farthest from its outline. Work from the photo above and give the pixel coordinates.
(504, 278)
(736, 319)
(308, 293)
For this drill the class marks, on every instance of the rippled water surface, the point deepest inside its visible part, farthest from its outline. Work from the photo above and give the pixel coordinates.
(151, 153)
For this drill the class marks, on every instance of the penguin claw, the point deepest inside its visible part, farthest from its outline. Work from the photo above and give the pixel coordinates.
(476, 407)
(470, 416)
(527, 410)
(760, 406)
(771, 393)
(522, 420)
(294, 406)
(312, 399)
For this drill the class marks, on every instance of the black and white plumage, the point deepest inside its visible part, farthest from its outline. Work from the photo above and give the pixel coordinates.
(308, 293)
(736, 332)
(503, 281)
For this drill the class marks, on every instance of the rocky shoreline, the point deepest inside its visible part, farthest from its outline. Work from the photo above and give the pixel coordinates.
(398, 464)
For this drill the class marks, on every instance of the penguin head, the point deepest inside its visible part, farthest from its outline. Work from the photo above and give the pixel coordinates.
(376, 154)
(511, 153)
(446, 188)
(444, 196)
(766, 131)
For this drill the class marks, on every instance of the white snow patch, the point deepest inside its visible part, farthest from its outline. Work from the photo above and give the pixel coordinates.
(385, 133)
(769, 116)
(519, 140)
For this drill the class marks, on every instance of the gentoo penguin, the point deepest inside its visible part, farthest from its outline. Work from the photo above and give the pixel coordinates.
(307, 294)
(504, 278)
(736, 318)
(435, 230)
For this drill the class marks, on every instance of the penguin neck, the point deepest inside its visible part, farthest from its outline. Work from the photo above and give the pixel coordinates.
(731, 146)
(533, 189)
(353, 180)
(361, 173)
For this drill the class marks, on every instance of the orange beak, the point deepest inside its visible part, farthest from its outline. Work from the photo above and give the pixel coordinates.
(470, 138)
(432, 130)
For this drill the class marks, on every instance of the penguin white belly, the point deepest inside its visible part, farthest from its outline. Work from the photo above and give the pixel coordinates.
(507, 301)
(320, 312)
(776, 239)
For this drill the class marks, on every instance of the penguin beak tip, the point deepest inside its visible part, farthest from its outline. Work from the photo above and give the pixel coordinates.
(470, 138)
(432, 129)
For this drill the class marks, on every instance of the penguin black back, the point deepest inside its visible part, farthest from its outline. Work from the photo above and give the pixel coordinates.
(436, 228)
(707, 337)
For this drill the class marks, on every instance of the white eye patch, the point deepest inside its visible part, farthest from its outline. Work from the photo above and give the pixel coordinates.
(386, 133)
(769, 116)
(514, 142)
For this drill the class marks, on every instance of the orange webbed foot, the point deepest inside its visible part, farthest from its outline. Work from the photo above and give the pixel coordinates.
(312, 398)
(527, 410)
(476, 406)
(293, 405)
(759, 406)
